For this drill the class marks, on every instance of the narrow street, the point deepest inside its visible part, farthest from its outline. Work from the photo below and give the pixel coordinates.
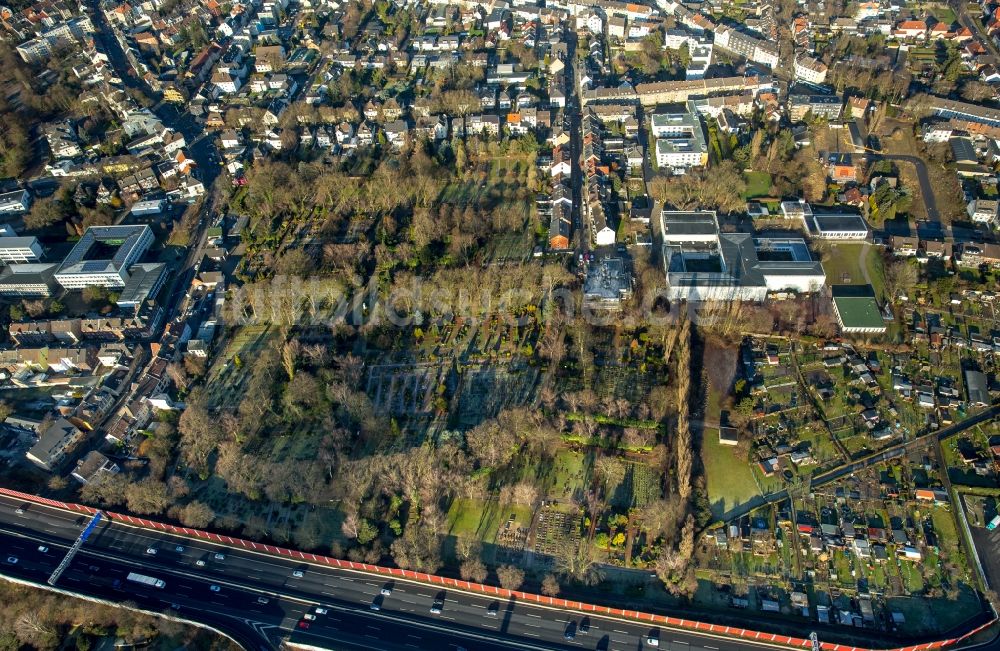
(200, 148)
(574, 108)
(975, 25)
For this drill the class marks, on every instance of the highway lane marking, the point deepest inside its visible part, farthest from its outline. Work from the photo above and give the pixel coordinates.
(622, 632)
(532, 625)
(512, 643)
(255, 556)
(713, 648)
(533, 615)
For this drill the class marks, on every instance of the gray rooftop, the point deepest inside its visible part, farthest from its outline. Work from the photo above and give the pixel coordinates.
(17, 242)
(733, 260)
(124, 239)
(143, 279)
(839, 222)
(39, 273)
(678, 224)
(976, 386)
(52, 439)
(607, 280)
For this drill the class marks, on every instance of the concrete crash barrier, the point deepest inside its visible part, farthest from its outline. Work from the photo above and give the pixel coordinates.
(433, 579)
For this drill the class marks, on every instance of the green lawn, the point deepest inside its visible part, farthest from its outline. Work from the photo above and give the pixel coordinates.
(944, 13)
(948, 542)
(843, 266)
(758, 185)
(876, 270)
(730, 481)
(567, 478)
(482, 519)
(927, 615)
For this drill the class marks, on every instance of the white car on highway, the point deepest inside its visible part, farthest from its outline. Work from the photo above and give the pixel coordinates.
(151, 551)
(12, 560)
(43, 549)
(322, 611)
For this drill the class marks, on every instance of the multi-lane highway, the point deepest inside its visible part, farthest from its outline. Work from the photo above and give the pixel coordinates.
(258, 599)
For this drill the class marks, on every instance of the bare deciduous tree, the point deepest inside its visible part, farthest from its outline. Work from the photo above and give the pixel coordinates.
(511, 578)
(473, 569)
(550, 585)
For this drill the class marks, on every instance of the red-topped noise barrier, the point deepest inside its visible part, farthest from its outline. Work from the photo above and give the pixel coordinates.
(433, 579)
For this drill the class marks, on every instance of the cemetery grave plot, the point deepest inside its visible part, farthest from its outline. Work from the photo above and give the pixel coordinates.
(510, 541)
(232, 368)
(554, 533)
(638, 488)
(614, 381)
(404, 389)
(510, 248)
(484, 391)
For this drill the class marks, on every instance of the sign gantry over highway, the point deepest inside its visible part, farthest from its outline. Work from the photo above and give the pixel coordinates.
(82, 538)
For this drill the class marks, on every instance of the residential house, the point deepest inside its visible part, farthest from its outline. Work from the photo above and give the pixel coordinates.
(396, 132)
(938, 250)
(974, 255)
(15, 202)
(904, 246)
(54, 443)
(93, 466)
(560, 225)
(983, 211)
(841, 168)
